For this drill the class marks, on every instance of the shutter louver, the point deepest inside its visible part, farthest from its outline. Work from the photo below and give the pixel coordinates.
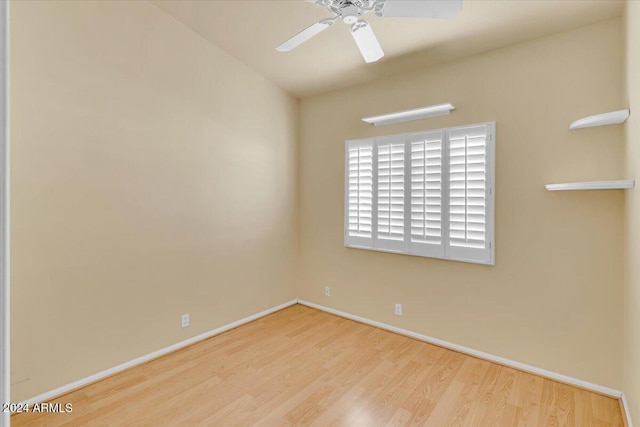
(390, 192)
(468, 187)
(360, 192)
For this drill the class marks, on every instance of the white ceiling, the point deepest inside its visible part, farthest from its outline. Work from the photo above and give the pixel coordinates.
(251, 29)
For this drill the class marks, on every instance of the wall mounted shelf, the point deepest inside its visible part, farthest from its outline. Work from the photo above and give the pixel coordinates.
(592, 185)
(612, 118)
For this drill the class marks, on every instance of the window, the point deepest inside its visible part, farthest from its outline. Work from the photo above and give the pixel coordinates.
(427, 193)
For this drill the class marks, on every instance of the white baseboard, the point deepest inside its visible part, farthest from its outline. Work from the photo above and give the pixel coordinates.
(147, 357)
(625, 406)
(471, 352)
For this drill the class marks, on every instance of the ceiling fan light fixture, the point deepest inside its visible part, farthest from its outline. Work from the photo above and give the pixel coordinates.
(349, 14)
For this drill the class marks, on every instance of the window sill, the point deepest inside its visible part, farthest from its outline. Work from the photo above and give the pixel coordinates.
(467, 261)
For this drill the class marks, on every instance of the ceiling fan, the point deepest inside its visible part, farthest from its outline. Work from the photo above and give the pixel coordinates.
(350, 12)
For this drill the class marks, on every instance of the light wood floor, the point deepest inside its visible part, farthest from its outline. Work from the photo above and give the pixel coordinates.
(300, 366)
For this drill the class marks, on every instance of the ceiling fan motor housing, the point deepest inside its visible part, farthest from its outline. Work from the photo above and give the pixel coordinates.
(349, 13)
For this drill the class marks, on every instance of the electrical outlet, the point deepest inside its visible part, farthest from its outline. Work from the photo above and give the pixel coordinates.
(327, 291)
(398, 309)
(185, 320)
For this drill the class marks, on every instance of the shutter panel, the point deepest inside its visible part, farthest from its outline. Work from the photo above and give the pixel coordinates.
(359, 193)
(390, 193)
(426, 194)
(468, 153)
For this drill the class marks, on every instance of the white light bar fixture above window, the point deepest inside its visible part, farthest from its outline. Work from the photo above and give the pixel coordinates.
(408, 115)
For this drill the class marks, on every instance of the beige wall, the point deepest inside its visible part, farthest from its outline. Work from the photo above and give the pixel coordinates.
(152, 175)
(632, 214)
(554, 297)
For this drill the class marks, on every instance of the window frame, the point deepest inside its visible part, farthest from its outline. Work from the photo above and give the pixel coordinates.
(444, 250)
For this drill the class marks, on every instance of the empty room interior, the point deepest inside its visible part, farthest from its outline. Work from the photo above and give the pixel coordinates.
(331, 212)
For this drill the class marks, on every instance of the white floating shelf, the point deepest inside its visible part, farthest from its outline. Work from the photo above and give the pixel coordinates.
(592, 185)
(612, 118)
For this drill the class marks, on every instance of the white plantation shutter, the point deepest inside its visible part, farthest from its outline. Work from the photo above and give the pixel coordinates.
(390, 194)
(426, 194)
(359, 197)
(469, 193)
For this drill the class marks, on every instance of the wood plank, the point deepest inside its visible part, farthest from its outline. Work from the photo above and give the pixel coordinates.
(529, 397)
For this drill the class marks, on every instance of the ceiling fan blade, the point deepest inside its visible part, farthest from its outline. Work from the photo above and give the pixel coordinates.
(305, 35)
(366, 41)
(443, 9)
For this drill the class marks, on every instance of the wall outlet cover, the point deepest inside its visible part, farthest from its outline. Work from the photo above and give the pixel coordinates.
(398, 309)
